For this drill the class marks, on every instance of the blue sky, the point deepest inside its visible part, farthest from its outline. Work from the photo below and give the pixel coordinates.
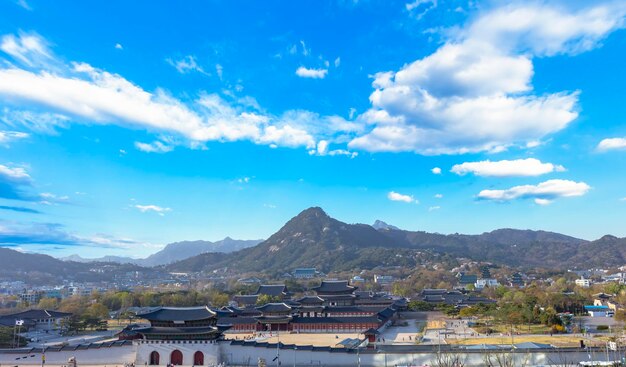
(125, 126)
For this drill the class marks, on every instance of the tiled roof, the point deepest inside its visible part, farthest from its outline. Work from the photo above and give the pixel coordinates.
(334, 286)
(37, 315)
(274, 307)
(179, 314)
(336, 320)
(310, 300)
(274, 290)
(176, 331)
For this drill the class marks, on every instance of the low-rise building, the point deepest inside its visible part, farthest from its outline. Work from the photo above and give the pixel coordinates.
(583, 282)
(304, 273)
(486, 282)
(383, 279)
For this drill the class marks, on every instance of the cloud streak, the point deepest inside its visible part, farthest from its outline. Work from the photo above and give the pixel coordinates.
(153, 208)
(507, 168)
(542, 194)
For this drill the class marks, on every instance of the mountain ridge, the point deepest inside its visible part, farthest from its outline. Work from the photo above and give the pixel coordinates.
(173, 252)
(314, 239)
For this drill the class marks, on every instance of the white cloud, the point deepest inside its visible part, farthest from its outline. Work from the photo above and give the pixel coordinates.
(186, 65)
(243, 180)
(543, 193)
(395, 196)
(322, 149)
(433, 208)
(154, 147)
(507, 168)
(436, 171)
(438, 196)
(48, 198)
(475, 92)
(118, 46)
(153, 208)
(337, 62)
(81, 93)
(42, 122)
(612, 144)
(28, 48)
(421, 7)
(14, 174)
(219, 69)
(311, 73)
(9, 136)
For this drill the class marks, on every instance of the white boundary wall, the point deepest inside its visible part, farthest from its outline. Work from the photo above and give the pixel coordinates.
(188, 349)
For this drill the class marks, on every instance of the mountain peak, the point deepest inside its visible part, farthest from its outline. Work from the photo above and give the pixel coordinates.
(314, 211)
(379, 224)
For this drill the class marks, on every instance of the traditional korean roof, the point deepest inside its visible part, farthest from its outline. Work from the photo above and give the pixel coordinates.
(274, 319)
(179, 314)
(371, 331)
(387, 313)
(432, 292)
(350, 309)
(36, 315)
(299, 271)
(334, 286)
(177, 331)
(468, 279)
(226, 321)
(246, 298)
(310, 300)
(336, 320)
(274, 290)
(274, 307)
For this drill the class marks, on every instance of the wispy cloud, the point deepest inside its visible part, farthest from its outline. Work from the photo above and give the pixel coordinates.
(14, 180)
(396, 196)
(24, 4)
(507, 168)
(154, 147)
(48, 234)
(186, 65)
(9, 136)
(153, 208)
(543, 193)
(20, 209)
(28, 48)
(311, 73)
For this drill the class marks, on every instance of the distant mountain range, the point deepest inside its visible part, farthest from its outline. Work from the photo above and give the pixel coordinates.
(314, 239)
(41, 269)
(174, 252)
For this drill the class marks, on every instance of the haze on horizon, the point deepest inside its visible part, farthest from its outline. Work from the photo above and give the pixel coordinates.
(128, 126)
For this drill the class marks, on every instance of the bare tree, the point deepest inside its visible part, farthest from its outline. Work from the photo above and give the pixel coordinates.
(505, 359)
(449, 359)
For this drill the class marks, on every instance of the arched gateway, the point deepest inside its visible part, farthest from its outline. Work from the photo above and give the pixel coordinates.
(176, 358)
